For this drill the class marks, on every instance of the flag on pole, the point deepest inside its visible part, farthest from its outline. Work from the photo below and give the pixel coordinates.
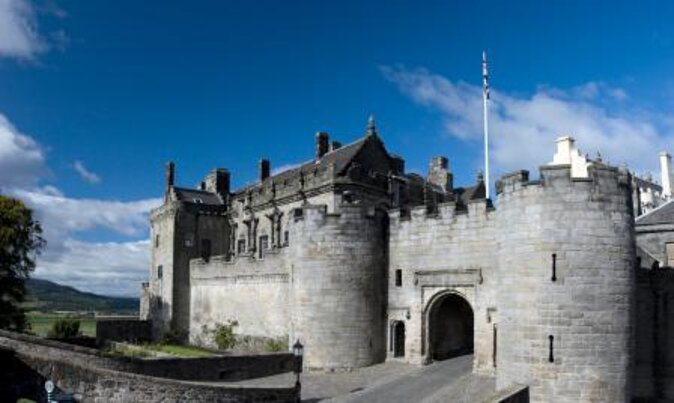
(485, 75)
(485, 102)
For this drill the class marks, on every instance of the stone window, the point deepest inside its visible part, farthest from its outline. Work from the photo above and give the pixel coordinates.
(264, 245)
(241, 246)
(670, 254)
(160, 272)
(399, 278)
(286, 238)
(156, 241)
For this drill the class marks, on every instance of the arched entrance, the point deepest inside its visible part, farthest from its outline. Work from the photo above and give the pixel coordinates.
(399, 339)
(450, 327)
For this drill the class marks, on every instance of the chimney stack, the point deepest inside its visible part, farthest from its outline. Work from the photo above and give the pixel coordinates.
(335, 145)
(264, 169)
(439, 173)
(170, 175)
(217, 181)
(322, 144)
(666, 174)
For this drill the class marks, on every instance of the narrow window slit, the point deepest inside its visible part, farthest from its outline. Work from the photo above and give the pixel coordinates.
(551, 356)
(554, 267)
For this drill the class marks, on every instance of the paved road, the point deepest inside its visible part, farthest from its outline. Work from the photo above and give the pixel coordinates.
(449, 380)
(390, 382)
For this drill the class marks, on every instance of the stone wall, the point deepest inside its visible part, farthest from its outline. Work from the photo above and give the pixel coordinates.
(122, 329)
(566, 296)
(654, 353)
(254, 292)
(338, 286)
(90, 377)
(440, 252)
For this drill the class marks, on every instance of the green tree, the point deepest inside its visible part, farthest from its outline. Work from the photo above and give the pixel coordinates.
(20, 243)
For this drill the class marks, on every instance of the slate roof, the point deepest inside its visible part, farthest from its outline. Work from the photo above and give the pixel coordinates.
(340, 157)
(477, 192)
(663, 214)
(198, 196)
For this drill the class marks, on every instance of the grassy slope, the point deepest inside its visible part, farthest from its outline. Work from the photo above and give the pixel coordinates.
(46, 296)
(41, 323)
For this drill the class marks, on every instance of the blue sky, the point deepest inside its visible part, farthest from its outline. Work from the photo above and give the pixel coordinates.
(96, 95)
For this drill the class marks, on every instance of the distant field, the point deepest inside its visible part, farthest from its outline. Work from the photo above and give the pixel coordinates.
(41, 323)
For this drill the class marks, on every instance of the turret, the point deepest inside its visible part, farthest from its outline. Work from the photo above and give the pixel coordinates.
(566, 294)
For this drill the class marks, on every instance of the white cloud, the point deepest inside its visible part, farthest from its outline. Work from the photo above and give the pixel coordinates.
(21, 158)
(523, 128)
(110, 268)
(19, 36)
(113, 268)
(85, 174)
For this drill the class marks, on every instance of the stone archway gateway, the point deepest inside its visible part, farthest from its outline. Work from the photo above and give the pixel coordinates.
(450, 327)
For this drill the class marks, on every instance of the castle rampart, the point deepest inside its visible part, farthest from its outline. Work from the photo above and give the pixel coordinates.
(446, 250)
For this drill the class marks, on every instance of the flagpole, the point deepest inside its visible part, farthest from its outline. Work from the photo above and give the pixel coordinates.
(485, 99)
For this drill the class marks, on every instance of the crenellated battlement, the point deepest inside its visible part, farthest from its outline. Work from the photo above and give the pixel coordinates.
(318, 216)
(600, 178)
(447, 212)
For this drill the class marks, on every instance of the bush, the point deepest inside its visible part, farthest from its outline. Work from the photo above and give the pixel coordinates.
(64, 328)
(276, 345)
(223, 335)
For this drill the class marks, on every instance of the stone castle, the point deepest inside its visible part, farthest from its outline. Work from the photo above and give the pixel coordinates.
(364, 262)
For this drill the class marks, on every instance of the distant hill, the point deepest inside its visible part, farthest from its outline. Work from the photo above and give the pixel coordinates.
(47, 296)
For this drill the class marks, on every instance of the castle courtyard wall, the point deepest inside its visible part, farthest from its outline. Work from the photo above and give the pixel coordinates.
(253, 292)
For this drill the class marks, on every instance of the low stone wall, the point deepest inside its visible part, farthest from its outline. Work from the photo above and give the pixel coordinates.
(91, 377)
(116, 328)
(219, 368)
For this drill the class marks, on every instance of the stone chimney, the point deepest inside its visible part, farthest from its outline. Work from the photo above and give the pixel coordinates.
(170, 175)
(666, 174)
(568, 154)
(335, 145)
(439, 174)
(322, 144)
(217, 181)
(264, 169)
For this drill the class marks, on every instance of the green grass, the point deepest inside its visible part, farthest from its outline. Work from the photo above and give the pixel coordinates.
(147, 350)
(182, 351)
(41, 323)
(121, 351)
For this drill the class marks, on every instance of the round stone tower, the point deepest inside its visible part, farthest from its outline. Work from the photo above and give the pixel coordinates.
(566, 266)
(337, 289)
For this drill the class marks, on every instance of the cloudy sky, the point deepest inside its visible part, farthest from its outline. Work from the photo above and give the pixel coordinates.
(96, 96)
